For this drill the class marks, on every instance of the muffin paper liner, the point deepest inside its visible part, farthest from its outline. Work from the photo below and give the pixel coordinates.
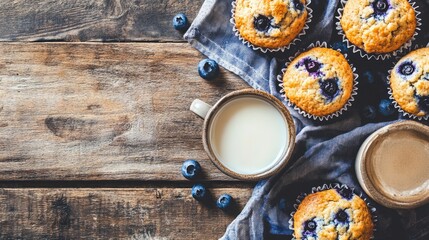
(264, 49)
(377, 56)
(304, 113)
(396, 104)
(336, 186)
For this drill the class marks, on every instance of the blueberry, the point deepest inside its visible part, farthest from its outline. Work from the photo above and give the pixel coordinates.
(423, 103)
(180, 22)
(368, 77)
(406, 68)
(346, 193)
(298, 5)
(199, 192)
(310, 226)
(208, 69)
(191, 169)
(369, 112)
(311, 65)
(340, 46)
(262, 23)
(329, 87)
(386, 108)
(380, 6)
(342, 216)
(224, 201)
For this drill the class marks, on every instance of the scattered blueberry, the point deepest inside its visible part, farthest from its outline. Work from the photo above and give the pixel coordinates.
(180, 22)
(311, 65)
(224, 201)
(340, 46)
(191, 169)
(368, 77)
(199, 192)
(329, 87)
(380, 6)
(342, 216)
(262, 23)
(406, 68)
(423, 102)
(369, 112)
(385, 107)
(208, 69)
(346, 193)
(298, 5)
(310, 226)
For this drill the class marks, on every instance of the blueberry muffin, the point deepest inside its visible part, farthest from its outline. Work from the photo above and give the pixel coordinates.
(378, 26)
(333, 214)
(270, 23)
(319, 81)
(409, 81)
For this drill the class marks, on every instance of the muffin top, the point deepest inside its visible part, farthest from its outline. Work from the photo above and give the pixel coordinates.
(333, 214)
(378, 26)
(409, 81)
(319, 81)
(270, 23)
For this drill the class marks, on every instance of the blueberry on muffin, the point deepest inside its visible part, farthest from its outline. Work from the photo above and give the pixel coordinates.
(270, 23)
(378, 26)
(319, 81)
(333, 214)
(409, 81)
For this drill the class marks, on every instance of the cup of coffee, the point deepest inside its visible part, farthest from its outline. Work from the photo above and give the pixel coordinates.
(392, 165)
(248, 134)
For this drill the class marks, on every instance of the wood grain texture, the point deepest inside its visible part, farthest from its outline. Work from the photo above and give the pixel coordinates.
(73, 111)
(152, 213)
(93, 20)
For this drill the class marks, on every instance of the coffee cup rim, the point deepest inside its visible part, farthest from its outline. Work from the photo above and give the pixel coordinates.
(362, 164)
(278, 105)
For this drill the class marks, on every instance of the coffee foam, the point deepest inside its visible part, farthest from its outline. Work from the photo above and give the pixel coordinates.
(399, 165)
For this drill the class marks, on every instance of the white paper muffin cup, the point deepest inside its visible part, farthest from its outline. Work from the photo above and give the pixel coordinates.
(264, 49)
(304, 113)
(396, 104)
(336, 186)
(377, 56)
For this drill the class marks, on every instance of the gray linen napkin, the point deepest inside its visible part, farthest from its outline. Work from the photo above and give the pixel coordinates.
(324, 152)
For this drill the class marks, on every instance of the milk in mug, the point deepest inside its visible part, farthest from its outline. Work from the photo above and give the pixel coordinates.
(249, 135)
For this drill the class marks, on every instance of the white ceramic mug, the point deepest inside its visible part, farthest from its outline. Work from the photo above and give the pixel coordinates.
(248, 134)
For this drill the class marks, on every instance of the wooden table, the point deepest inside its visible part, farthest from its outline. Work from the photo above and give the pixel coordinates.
(94, 123)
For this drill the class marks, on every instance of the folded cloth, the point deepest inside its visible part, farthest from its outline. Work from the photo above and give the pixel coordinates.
(325, 151)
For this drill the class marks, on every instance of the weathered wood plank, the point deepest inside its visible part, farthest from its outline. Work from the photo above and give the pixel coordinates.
(102, 111)
(92, 20)
(155, 213)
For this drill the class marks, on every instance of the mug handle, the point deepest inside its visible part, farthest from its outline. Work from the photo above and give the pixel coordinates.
(200, 108)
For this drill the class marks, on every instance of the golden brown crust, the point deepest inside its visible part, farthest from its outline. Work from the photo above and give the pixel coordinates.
(303, 89)
(322, 207)
(405, 88)
(378, 35)
(289, 20)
